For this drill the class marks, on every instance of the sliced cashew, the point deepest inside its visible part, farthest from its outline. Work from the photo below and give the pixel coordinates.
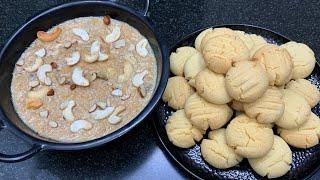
(142, 90)
(131, 47)
(44, 114)
(53, 124)
(114, 117)
(20, 62)
(141, 47)
(101, 104)
(101, 114)
(77, 77)
(64, 105)
(40, 53)
(125, 97)
(33, 83)
(103, 56)
(120, 43)
(67, 45)
(114, 35)
(74, 59)
(49, 36)
(117, 92)
(34, 99)
(94, 52)
(77, 125)
(81, 33)
(42, 74)
(38, 62)
(67, 112)
(137, 79)
(93, 108)
(127, 72)
(33, 103)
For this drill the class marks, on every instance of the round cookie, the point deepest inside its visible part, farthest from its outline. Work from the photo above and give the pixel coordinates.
(179, 58)
(296, 110)
(258, 43)
(220, 52)
(211, 86)
(203, 114)
(277, 62)
(305, 136)
(268, 108)
(193, 66)
(276, 163)
(236, 105)
(177, 92)
(302, 57)
(304, 87)
(216, 152)
(215, 32)
(246, 38)
(197, 42)
(181, 132)
(246, 81)
(249, 138)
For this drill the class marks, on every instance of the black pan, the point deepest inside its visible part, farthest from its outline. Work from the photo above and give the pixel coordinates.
(305, 162)
(26, 34)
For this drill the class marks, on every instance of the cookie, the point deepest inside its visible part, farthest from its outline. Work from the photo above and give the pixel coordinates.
(236, 105)
(246, 38)
(305, 136)
(249, 138)
(296, 110)
(177, 92)
(203, 114)
(215, 32)
(302, 57)
(197, 42)
(179, 58)
(193, 66)
(246, 81)
(276, 163)
(220, 52)
(268, 108)
(181, 132)
(304, 87)
(216, 152)
(277, 62)
(211, 86)
(258, 43)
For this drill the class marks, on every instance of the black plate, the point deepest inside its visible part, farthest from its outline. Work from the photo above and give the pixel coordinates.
(305, 162)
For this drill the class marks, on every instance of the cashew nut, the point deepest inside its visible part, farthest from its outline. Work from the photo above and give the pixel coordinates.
(53, 124)
(137, 79)
(114, 117)
(35, 98)
(117, 92)
(93, 76)
(44, 114)
(114, 35)
(38, 62)
(33, 103)
(20, 62)
(103, 56)
(33, 83)
(77, 77)
(81, 33)
(127, 72)
(94, 52)
(49, 36)
(142, 91)
(125, 97)
(141, 47)
(42, 74)
(40, 53)
(101, 104)
(101, 114)
(67, 112)
(80, 124)
(120, 43)
(74, 59)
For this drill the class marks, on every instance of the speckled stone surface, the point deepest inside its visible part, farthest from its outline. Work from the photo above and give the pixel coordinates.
(138, 155)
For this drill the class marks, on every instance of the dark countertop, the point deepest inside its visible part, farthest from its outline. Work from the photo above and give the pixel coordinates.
(138, 155)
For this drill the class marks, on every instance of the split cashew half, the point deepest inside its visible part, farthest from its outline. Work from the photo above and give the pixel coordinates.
(94, 52)
(141, 47)
(49, 36)
(103, 56)
(67, 112)
(127, 72)
(74, 59)
(42, 74)
(81, 33)
(38, 62)
(34, 99)
(77, 77)
(101, 114)
(114, 117)
(137, 79)
(77, 125)
(120, 43)
(40, 53)
(114, 35)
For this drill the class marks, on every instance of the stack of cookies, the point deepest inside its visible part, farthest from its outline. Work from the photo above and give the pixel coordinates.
(231, 72)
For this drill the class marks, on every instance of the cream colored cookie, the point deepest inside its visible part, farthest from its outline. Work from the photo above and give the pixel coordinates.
(197, 42)
(179, 58)
(203, 114)
(268, 108)
(303, 59)
(296, 110)
(276, 163)
(221, 51)
(211, 86)
(304, 87)
(305, 136)
(177, 92)
(258, 43)
(181, 132)
(236, 105)
(193, 66)
(249, 138)
(246, 38)
(215, 32)
(216, 151)
(277, 62)
(246, 81)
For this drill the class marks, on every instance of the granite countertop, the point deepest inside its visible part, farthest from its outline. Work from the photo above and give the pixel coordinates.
(139, 155)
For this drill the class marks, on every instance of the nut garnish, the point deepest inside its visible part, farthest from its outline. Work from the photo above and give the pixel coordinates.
(33, 103)
(142, 91)
(50, 92)
(63, 105)
(77, 77)
(67, 45)
(77, 125)
(49, 36)
(42, 74)
(94, 52)
(127, 72)
(101, 104)
(53, 124)
(44, 114)
(40, 53)
(106, 20)
(54, 65)
(93, 108)
(38, 62)
(101, 114)
(74, 59)
(114, 35)
(141, 47)
(33, 83)
(93, 76)
(120, 43)
(137, 79)
(117, 92)
(103, 56)
(114, 117)
(62, 80)
(67, 112)
(125, 97)
(20, 62)
(34, 99)
(81, 33)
